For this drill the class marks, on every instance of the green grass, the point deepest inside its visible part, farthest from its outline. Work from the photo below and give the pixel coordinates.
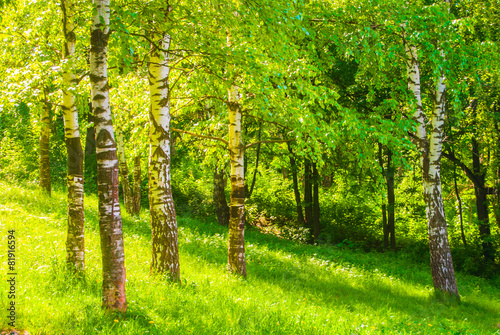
(290, 289)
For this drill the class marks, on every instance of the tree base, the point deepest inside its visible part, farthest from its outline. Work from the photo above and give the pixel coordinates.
(446, 298)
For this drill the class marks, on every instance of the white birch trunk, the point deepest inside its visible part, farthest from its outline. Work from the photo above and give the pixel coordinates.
(165, 253)
(110, 222)
(236, 249)
(443, 274)
(75, 242)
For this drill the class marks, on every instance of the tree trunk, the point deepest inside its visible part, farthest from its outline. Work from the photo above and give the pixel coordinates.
(300, 214)
(110, 221)
(464, 241)
(256, 167)
(137, 185)
(90, 165)
(443, 273)
(497, 147)
(390, 200)
(308, 196)
(482, 204)
(221, 207)
(316, 222)
(75, 243)
(44, 149)
(127, 193)
(236, 249)
(384, 225)
(165, 251)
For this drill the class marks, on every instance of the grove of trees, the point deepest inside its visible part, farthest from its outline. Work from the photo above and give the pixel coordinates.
(364, 124)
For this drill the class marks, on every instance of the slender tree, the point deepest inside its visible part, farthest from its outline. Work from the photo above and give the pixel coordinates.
(44, 148)
(75, 243)
(127, 193)
(315, 208)
(110, 221)
(236, 249)
(296, 191)
(459, 200)
(430, 148)
(308, 195)
(388, 209)
(221, 207)
(90, 164)
(137, 185)
(165, 253)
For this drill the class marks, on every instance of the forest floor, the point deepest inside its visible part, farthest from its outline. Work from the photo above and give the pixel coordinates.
(290, 289)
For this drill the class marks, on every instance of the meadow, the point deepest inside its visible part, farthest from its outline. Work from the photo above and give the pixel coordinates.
(291, 288)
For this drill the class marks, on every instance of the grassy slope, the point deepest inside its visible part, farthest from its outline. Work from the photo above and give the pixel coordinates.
(291, 288)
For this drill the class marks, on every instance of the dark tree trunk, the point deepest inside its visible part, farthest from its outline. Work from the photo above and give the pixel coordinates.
(384, 225)
(308, 196)
(44, 149)
(316, 217)
(255, 171)
(481, 200)
(390, 200)
(90, 173)
(497, 147)
(300, 214)
(221, 207)
(137, 185)
(464, 241)
(123, 166)
(484, 223)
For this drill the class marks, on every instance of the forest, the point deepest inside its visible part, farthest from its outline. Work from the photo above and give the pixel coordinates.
(250, 167)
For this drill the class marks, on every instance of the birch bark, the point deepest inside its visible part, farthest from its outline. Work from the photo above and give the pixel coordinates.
(110, 221)
(75, 242)
(236, 249)
(165, 253)
(430, 149)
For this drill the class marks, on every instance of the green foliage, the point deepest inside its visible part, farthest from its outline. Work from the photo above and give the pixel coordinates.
(19, 137)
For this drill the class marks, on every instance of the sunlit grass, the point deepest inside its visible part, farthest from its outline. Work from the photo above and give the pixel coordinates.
(291, 288)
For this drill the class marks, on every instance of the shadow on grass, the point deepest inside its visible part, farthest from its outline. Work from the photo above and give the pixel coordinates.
(325, 289)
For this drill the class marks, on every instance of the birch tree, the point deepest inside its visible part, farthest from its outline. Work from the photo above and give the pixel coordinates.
(236, 248)
(110, 222)
(165, 254)
(430, 148)
(75, 245)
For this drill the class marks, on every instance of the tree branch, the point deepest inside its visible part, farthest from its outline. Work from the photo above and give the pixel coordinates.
(268, 141)
(475, 180)
(201, 136)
